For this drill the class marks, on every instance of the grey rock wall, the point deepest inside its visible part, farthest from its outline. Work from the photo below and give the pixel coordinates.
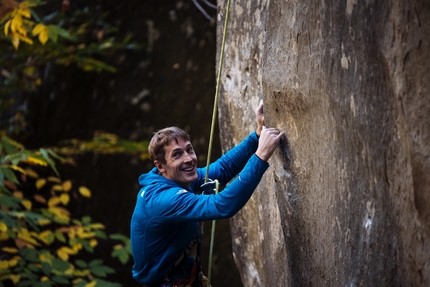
(346, 201)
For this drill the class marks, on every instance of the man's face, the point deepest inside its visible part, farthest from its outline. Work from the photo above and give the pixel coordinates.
(181, 163)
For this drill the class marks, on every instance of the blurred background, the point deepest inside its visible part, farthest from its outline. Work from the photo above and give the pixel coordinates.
(114, 70)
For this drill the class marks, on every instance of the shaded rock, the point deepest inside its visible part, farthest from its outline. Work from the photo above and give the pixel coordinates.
(346, 200)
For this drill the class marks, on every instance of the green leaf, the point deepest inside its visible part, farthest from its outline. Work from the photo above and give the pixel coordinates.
(104, 283)
(9, 174)
(60, 265)
(60, 236)
(121, 254)
(81, 264)
(34, 268)
(9, 201)
(101, 271)
(118, 236)
(60, 280)
(52, 33)
(54, 155)
(86, 246)
(46, 268)
(96, 262)
(42, 284)
(9, 145)
(100, 234)
(86, 220)
(31, 255)
(59, 31)
(25, 283)
(1, 176)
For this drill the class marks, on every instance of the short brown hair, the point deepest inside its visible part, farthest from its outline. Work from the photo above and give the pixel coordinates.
(162, 138)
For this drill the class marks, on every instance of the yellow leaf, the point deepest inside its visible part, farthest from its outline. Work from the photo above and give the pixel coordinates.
(3, 227)
(17, 194)
(53, 201)
(26, 236)
(57, 187)
(4, 264)
(91, 284)
(17, 168)
(64, 256)
(85, 235)
(27, 204)
(7, 26)
(46, 257)
(70, 270)
(33, 160)
(54, 179)
(118, 246)
(37, 29)
(15, 278)
(10, 249)
(76, 247)
(24, 12)
(20, 30)
(15, 42)
(44, 278)
(14, 261)
(64, 198)
(47, 237)
(93, 242)
(67, 185)
(31, 173)
(68, 250)
(39, 198)
(16, 22)
(44, 221)
(44, 36)
(4, 236)
(97, 226)
(27, 40)
(60, 212)
(84, 191)
(40, 183)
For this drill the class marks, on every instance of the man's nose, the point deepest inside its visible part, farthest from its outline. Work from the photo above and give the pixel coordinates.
(187, 157)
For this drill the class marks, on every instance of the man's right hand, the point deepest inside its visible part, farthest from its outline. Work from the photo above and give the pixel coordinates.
(267, 143)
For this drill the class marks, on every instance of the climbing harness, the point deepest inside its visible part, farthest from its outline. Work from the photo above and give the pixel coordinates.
(218, 83)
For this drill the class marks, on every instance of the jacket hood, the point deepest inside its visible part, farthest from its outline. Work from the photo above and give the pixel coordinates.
(154, 177)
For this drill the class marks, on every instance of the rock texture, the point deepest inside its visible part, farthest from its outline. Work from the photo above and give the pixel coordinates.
(346, 201)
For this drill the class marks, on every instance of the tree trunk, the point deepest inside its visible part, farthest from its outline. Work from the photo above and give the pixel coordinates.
(346, 201)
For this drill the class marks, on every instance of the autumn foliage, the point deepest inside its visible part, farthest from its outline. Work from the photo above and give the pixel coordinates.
(42, 244)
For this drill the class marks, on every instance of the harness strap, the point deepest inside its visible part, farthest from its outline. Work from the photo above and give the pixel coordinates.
(198, 261)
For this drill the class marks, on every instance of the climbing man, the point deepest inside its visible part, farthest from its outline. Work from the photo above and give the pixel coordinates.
(164, 225)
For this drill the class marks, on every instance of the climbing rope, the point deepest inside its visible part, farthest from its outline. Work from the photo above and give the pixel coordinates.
(221, 58)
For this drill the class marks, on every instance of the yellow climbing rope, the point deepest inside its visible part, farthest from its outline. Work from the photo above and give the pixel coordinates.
(221, 58)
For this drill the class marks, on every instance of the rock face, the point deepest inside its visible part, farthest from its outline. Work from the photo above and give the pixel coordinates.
(346, 201)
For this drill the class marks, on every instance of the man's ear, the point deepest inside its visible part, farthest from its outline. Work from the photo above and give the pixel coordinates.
(159, 166)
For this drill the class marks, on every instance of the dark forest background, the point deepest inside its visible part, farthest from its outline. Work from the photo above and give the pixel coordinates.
(169, 80)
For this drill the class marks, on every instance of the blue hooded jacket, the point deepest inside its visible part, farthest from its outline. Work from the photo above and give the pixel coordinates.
(166, 214)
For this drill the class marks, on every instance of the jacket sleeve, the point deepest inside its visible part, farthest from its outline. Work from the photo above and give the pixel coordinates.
(177, 206)
(232, 162)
